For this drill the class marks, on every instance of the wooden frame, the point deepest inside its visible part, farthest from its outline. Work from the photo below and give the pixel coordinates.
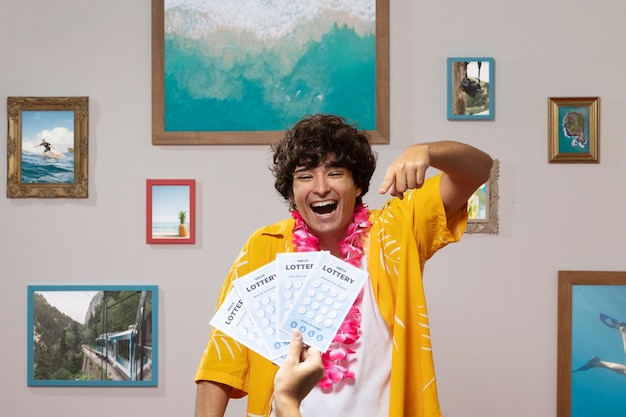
(573, 129)
(59, 128)
(471, 88)
(483, 205)
(93, 335)
(160, 136)
(591, 305)
(165, 201)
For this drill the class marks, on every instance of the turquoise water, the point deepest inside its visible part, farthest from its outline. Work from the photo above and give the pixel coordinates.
(597, 392)
(565, 141)
(240, 91)
(42, 169)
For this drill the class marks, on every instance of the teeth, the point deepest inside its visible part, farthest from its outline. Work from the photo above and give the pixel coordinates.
(323, 204)
(324, 207)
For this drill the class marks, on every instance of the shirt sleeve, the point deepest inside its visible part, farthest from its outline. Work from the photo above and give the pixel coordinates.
(422, 209)
(225, 360)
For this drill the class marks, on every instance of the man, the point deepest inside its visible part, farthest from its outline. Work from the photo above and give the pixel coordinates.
(47, 147)
(380, 362)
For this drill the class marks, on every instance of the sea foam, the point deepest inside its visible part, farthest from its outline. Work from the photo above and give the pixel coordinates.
(268, 20)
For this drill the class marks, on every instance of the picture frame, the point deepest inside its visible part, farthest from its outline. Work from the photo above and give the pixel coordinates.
(591, 305)
(573, 129)
(187, 127)
(171, 211)
(471, 88)
(47, 147)
(482, 206)
(93, 335)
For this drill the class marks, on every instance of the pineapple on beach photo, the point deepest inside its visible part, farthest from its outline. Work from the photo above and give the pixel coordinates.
(183, 231)
(170, 214)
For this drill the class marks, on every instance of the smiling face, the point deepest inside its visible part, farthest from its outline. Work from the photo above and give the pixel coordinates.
(325, 196)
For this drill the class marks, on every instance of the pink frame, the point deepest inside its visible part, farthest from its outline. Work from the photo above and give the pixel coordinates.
(150, 206)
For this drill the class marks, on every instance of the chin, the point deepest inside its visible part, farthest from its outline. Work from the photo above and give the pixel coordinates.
(320, 227)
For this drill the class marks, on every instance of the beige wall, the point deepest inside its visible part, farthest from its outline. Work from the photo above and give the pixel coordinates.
(493, 299)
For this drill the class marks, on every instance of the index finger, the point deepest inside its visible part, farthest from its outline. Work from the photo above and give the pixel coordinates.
(389, 182)
(389, 185)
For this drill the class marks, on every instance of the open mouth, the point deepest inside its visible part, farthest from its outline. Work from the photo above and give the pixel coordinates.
(324, 207)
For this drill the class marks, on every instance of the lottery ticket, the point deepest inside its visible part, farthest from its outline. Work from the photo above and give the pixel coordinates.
(233, 319)
(293, 269)
(259, 292)
(324, 301)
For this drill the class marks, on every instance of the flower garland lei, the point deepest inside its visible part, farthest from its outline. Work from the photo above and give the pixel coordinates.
(349, 332)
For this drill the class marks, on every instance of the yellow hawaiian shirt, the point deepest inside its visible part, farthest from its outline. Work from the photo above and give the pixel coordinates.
(404, 235)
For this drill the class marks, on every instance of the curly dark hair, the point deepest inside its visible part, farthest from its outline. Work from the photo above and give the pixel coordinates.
(311, 140)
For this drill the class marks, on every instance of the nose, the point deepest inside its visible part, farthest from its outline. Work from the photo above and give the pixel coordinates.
(321, 185)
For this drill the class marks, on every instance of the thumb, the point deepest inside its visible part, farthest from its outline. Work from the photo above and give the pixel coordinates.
(295, 347)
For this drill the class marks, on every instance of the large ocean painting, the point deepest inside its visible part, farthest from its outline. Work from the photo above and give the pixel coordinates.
(260, 65)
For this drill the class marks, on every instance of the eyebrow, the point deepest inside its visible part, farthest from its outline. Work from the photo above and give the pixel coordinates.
(327, 164)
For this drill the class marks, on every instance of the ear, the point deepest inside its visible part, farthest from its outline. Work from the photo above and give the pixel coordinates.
(292, 204)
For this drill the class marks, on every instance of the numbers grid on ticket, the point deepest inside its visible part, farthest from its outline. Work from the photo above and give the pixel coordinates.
(233, 319)
(259, 292)
(293, 270)
(324, 301)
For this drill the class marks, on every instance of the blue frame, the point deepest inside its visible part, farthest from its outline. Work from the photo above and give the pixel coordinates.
(453, 88)
(94, 353)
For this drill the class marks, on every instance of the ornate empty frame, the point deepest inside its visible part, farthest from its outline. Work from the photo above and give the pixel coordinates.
(487, 219)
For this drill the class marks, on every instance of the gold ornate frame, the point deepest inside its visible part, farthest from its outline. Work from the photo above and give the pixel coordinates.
(557, 134)
(489, 225)
(162, 137)
(79, 187)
